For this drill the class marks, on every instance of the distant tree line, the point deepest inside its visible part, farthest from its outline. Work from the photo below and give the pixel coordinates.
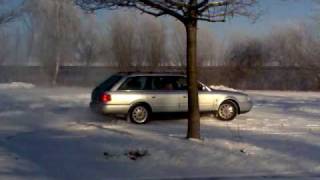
(56, 33)
(295, 46)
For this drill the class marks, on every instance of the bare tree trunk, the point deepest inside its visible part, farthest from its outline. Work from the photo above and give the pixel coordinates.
(193, 98)
(58, 43)
(56, 70)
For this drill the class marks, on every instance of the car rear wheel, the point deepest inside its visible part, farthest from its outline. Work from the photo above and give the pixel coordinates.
(227, 111)
(139, 114)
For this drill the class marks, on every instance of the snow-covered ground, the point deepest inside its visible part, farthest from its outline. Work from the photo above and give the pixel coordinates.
(51, 134)
(16, 85)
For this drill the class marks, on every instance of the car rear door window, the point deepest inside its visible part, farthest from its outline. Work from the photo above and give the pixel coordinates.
(134, 83)
(168, 83)
(181, 83)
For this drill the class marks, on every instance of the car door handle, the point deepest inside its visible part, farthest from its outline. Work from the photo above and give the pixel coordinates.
(153, 97)
(185, 97)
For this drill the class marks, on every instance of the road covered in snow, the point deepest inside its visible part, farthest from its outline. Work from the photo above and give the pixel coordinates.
(49, 133)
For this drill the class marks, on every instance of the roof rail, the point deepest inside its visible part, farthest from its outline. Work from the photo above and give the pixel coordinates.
(151, 72)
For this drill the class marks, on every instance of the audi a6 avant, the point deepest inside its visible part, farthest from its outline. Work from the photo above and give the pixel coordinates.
(139, 95)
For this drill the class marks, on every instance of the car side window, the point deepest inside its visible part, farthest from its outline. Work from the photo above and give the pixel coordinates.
(182, 83)
(168, 83)
(162, 83)
(134, 83)
(157, 83)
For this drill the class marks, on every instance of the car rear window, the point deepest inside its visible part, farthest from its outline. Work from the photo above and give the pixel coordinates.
(110, 82)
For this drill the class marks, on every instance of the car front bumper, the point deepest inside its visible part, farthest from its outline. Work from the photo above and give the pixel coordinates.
(245, 106)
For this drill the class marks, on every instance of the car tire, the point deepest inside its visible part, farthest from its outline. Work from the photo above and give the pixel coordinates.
(227, 111)
(139, 114)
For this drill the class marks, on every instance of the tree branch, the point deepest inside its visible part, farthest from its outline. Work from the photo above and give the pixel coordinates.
(207, 10)
(9, 15)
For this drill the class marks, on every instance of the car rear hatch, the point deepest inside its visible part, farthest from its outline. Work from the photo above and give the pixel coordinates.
(103, 87)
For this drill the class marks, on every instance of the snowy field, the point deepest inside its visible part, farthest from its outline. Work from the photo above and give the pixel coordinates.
(51, 134)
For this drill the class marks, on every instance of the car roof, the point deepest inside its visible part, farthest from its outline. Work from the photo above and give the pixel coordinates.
(132, 74)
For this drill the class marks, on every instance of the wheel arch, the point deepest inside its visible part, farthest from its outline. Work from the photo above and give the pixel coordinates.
(147, 105)
(234, 101)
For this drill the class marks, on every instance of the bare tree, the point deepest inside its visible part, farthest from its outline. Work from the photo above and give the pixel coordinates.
(189, 12)
(207, 48)
(295, 46)
(57, 26)
(122, 33)
(244, 57)
(92, 45)
(292, 45)
(177, 45)
(245, 53)
(4, 46)
(151, 42)
(7, 13)
(87, 43)
(104, 48)
(136, 42)
(316, 15)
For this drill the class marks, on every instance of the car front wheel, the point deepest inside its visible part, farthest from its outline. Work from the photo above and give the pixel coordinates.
(227, 111)
(139, 114)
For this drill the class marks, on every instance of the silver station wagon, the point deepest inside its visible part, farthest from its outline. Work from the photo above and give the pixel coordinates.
(139, 95)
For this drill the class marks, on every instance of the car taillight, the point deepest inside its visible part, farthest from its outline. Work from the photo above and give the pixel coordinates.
(104, 97)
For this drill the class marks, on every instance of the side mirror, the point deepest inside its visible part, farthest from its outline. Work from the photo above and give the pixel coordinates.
(201, 88)
(204, 88)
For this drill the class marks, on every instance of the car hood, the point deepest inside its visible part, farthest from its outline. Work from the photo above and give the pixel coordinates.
(218, 91)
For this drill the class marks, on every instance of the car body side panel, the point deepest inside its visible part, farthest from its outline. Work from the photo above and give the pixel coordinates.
(160, 101)
(165, 101)
(210, 101)
(206, 102)
(244, 104)
(168, 100)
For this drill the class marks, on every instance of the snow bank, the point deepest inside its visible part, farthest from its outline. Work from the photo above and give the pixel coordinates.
(221, 87)
(16, 85)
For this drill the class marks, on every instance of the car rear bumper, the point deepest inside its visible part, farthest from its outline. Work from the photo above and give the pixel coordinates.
(109, 108)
